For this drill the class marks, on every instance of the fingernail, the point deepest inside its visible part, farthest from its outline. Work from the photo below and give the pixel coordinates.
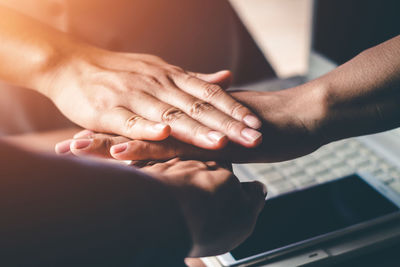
(84, 133)
(63, 147)
(215, 136)
(251, 135)
(119, 148)
(252, 121)
(159, 127)
(81, 143)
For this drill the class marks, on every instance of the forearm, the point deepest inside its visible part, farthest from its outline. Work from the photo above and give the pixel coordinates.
(30, 51)
(363, 95)
(40, 141)
(63, 212)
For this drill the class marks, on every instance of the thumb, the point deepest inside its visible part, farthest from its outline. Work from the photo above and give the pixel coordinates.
(222, 78)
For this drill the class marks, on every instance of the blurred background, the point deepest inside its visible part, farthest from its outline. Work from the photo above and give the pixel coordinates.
(342, 28)
(282, 29)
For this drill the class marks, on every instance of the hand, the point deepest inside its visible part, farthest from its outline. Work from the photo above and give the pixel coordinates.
(125, 216)
(143, 97)
(290, 130)
(220, 211)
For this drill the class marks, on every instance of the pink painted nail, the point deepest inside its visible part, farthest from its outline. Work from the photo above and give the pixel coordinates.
(252, 121)
(215, 136)
(250, 135)
(63, 147)
(81, 143)
(119, 148)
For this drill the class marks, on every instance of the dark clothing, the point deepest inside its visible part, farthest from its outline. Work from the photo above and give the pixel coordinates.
(65, 212)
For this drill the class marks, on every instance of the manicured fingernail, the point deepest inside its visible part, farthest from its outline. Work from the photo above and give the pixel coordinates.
(119, 148)
(81, 143)
(63, 147)
(84, 133)
(250, 135)
(159, 127)
(252, 121)
(215, 136)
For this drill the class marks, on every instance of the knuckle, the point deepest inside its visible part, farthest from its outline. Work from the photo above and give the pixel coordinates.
(232, 126)
(199, 107)
(175, 69)
(131, 122)
(188, 78)
(106, 143)
(211, 91)
(198, 131)
(194, 164)
(171, 115)
(152, 81)
(239, 111)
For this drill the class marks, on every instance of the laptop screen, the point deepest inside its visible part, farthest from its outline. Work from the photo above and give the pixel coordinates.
(319, 210)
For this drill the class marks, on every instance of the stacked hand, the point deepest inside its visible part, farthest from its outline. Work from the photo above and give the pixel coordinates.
(287, 133)
(215, 204)
(142, 97)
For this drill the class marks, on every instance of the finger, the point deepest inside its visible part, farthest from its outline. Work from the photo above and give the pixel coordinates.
(84, 134)
(256, 193)
(97, 146)
(210, 116)
(142, 151)
(160, 167)
(126, 123)
(182, 126)
(226, 165)
(222, 78)
(168, 149)
(63, 148)
(216, 96)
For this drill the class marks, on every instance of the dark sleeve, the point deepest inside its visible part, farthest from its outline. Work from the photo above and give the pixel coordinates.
(65, 212)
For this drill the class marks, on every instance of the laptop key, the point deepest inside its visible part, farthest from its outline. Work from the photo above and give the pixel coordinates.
(281, 187)
(328, 176)
(395, 186)
(292, 171)
(358, 162)
(385, 178)
(260, 167)
(272, 177)
(303, 180)
(316, 169)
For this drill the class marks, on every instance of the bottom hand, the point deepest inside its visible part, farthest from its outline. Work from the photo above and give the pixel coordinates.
(220, 211)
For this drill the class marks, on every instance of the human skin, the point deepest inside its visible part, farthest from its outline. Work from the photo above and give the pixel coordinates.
(125, 215)
(359, 97)
(139, 96)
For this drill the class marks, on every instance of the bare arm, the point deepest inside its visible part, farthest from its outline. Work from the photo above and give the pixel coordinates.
(134, 95)
(360, 97)
(363, 95)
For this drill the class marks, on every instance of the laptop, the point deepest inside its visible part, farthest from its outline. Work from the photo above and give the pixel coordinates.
(377, 155)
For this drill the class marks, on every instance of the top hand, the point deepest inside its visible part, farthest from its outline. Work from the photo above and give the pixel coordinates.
(287, 129)
(143, 97)
(134, 95)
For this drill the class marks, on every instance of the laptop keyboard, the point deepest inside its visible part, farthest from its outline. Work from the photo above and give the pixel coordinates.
(329, 162)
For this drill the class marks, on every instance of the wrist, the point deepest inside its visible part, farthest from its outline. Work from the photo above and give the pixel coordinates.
(309, 103)
(60, 58)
